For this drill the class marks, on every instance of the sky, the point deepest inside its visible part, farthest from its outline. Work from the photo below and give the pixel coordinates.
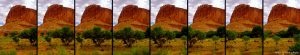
(5, 6)
(44, 4)
(156, 4)
(194, 4)
(268, 4)
(119, 4)
(230, 5)
(82, 4)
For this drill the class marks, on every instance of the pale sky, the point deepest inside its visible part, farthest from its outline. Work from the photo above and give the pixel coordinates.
(268, 4)
(5, 6)
(44, 4)
(231, 4)
(156, 4)
(194, 4)
(119, 4)
(82, 4)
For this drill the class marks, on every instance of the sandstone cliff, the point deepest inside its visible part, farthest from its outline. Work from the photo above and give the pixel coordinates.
(171, 18)
(282, 16)
(134, 17)
(244, 18)
(208, 18)
(95, 15)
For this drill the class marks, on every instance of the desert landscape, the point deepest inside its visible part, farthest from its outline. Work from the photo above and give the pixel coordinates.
(282, 32)
(168, 33)
(18, 34)
(93, 34)
(131, 33)
(207, 32)
(56, 33)
(244, 32)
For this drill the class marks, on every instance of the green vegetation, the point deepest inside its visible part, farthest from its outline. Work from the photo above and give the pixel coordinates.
(129, 36)
(65, 34)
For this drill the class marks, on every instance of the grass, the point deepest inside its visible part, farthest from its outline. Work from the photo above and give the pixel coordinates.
(8, 47)
(134, 51)
(56, 48)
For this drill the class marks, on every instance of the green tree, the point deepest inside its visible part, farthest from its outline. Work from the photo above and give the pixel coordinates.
(31, 35)
(221, 31)
(292, 30)
(66, 35)
(231, 35)
(210, 34)
(257, 31)
(276, 39)
(157, 35)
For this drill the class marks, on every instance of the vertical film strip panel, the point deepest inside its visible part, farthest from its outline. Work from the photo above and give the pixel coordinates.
(244, 27)
(169, 29)
(18, 31)
(56, 27)
(281, 27)
(207, 27)
(131, 20)
(93, 22)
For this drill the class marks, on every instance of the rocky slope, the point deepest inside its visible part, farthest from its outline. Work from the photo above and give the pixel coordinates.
(95, 15)
(19, 18)
(57, 17)
(171, 18)
(244, 18)
(282, 16)
(134, 17)
(208, 18)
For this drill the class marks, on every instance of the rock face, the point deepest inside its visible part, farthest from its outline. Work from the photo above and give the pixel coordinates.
(134, 17)
(171, 18)
(19, 18)
(282, 16)
(244, 18)
(95, 15)
(56, 17)
(208, 18)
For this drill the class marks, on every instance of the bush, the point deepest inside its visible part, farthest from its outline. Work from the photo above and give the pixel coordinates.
(31, 35)
(297, 38)
(210, 34)
(128, 36)
(292, 30)
(221, 31)
(257, 31)
(96, 34)
(65, 34)
(231, 35)
(295, 48)
(157, 35)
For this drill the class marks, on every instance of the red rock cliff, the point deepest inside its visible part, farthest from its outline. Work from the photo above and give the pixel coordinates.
(95, 15)
(134, 17)
(56, 17)
(208, 18)
(19, 18)
(282, 16)
(244, 18)
(170, 17)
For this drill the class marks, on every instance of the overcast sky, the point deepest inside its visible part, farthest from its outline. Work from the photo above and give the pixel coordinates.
(44, 4)
(82, 4)
(194, 4)
(119, 4)
(268, 4)
(156, 4)
(230, 5)
(5, 6)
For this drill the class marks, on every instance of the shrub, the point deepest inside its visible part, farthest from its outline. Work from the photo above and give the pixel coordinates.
(128, 36)
(257, 31)
(157, 36)
(14, 36)
(295, 49)
(210, 34)
(231, 35)
(221, 31)
(31, 35)
(292, 30)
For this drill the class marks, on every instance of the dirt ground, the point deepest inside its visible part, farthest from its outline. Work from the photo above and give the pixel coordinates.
(56, 48)
(207, 48)
(283, 46)
(88, 48)
(172, 47)
(8, 46)
(237, 47)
